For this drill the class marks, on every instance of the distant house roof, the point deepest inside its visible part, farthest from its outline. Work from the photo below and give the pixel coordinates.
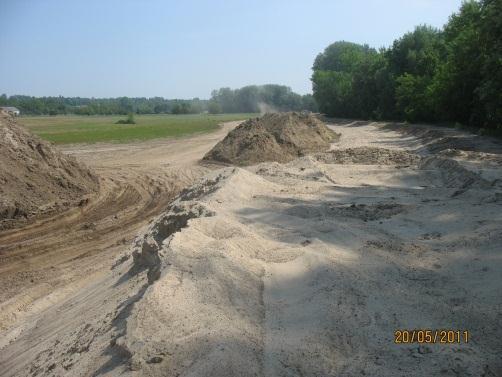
(9, 108)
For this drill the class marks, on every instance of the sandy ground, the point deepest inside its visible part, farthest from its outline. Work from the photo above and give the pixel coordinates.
(46, 261)
(301, 269)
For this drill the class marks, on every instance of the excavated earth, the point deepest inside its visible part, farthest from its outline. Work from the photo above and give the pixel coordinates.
(305, 268)
(35, 178)
(279, 137)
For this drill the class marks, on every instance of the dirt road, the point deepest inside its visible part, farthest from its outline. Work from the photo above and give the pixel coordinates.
(300, 269)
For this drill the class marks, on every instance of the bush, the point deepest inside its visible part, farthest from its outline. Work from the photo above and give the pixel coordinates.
(129, 120)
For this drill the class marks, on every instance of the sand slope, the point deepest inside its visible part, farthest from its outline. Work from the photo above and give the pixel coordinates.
(298, 269)
(35, 177)
(279, 137)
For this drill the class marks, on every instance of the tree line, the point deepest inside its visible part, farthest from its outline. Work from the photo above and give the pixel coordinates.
(102, 106)
(249, 99)
(452, 74)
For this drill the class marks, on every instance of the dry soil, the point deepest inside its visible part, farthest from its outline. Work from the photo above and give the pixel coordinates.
(36, 179)
(279, 137)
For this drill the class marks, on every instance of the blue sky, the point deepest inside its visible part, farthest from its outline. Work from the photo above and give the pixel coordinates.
(184, 49)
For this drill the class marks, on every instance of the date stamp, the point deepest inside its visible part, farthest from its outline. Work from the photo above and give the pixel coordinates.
(428, 336)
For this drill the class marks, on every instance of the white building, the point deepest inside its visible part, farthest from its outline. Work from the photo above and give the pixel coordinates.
(10, 110)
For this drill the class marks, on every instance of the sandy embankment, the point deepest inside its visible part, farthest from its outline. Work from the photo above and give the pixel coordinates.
(300, 269)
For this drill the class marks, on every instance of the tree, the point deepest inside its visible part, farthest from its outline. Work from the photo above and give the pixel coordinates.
(454, 74)
(490, 88)
(331, 91)
(249, 99)
(411, 97)
(454, 87)
(214, 107)
(309, 103)
(181, 107)
(341, 57)
(342, 79)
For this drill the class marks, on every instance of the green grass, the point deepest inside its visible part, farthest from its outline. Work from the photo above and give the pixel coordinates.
(65, 129)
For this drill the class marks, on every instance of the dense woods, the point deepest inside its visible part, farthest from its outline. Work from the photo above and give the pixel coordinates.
(430, 75)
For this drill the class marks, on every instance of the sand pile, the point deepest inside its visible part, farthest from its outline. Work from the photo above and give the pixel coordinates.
(35, 178)
(279, 137)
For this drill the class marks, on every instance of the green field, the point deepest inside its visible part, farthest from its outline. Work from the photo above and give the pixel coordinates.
(64, 129)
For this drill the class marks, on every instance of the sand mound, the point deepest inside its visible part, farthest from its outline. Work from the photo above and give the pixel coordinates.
(35, 177)
(279, 137)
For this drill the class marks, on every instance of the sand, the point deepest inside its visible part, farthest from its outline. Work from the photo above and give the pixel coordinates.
(279, 137)
(298, 269)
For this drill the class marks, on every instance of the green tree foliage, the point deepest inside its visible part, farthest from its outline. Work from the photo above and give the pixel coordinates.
(309, 103)
(332, 91)
(253, 99)
(454, 74)
(342, 57)
(102, 106)
(340, 79)
(181, 107)
(412, 99)
(490, 89)
(413, 61)
(456, 80)
(214, 107)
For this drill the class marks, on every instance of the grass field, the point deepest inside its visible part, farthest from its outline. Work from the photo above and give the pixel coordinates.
(64, 129)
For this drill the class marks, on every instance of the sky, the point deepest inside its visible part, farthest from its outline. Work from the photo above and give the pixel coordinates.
(185, 49)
